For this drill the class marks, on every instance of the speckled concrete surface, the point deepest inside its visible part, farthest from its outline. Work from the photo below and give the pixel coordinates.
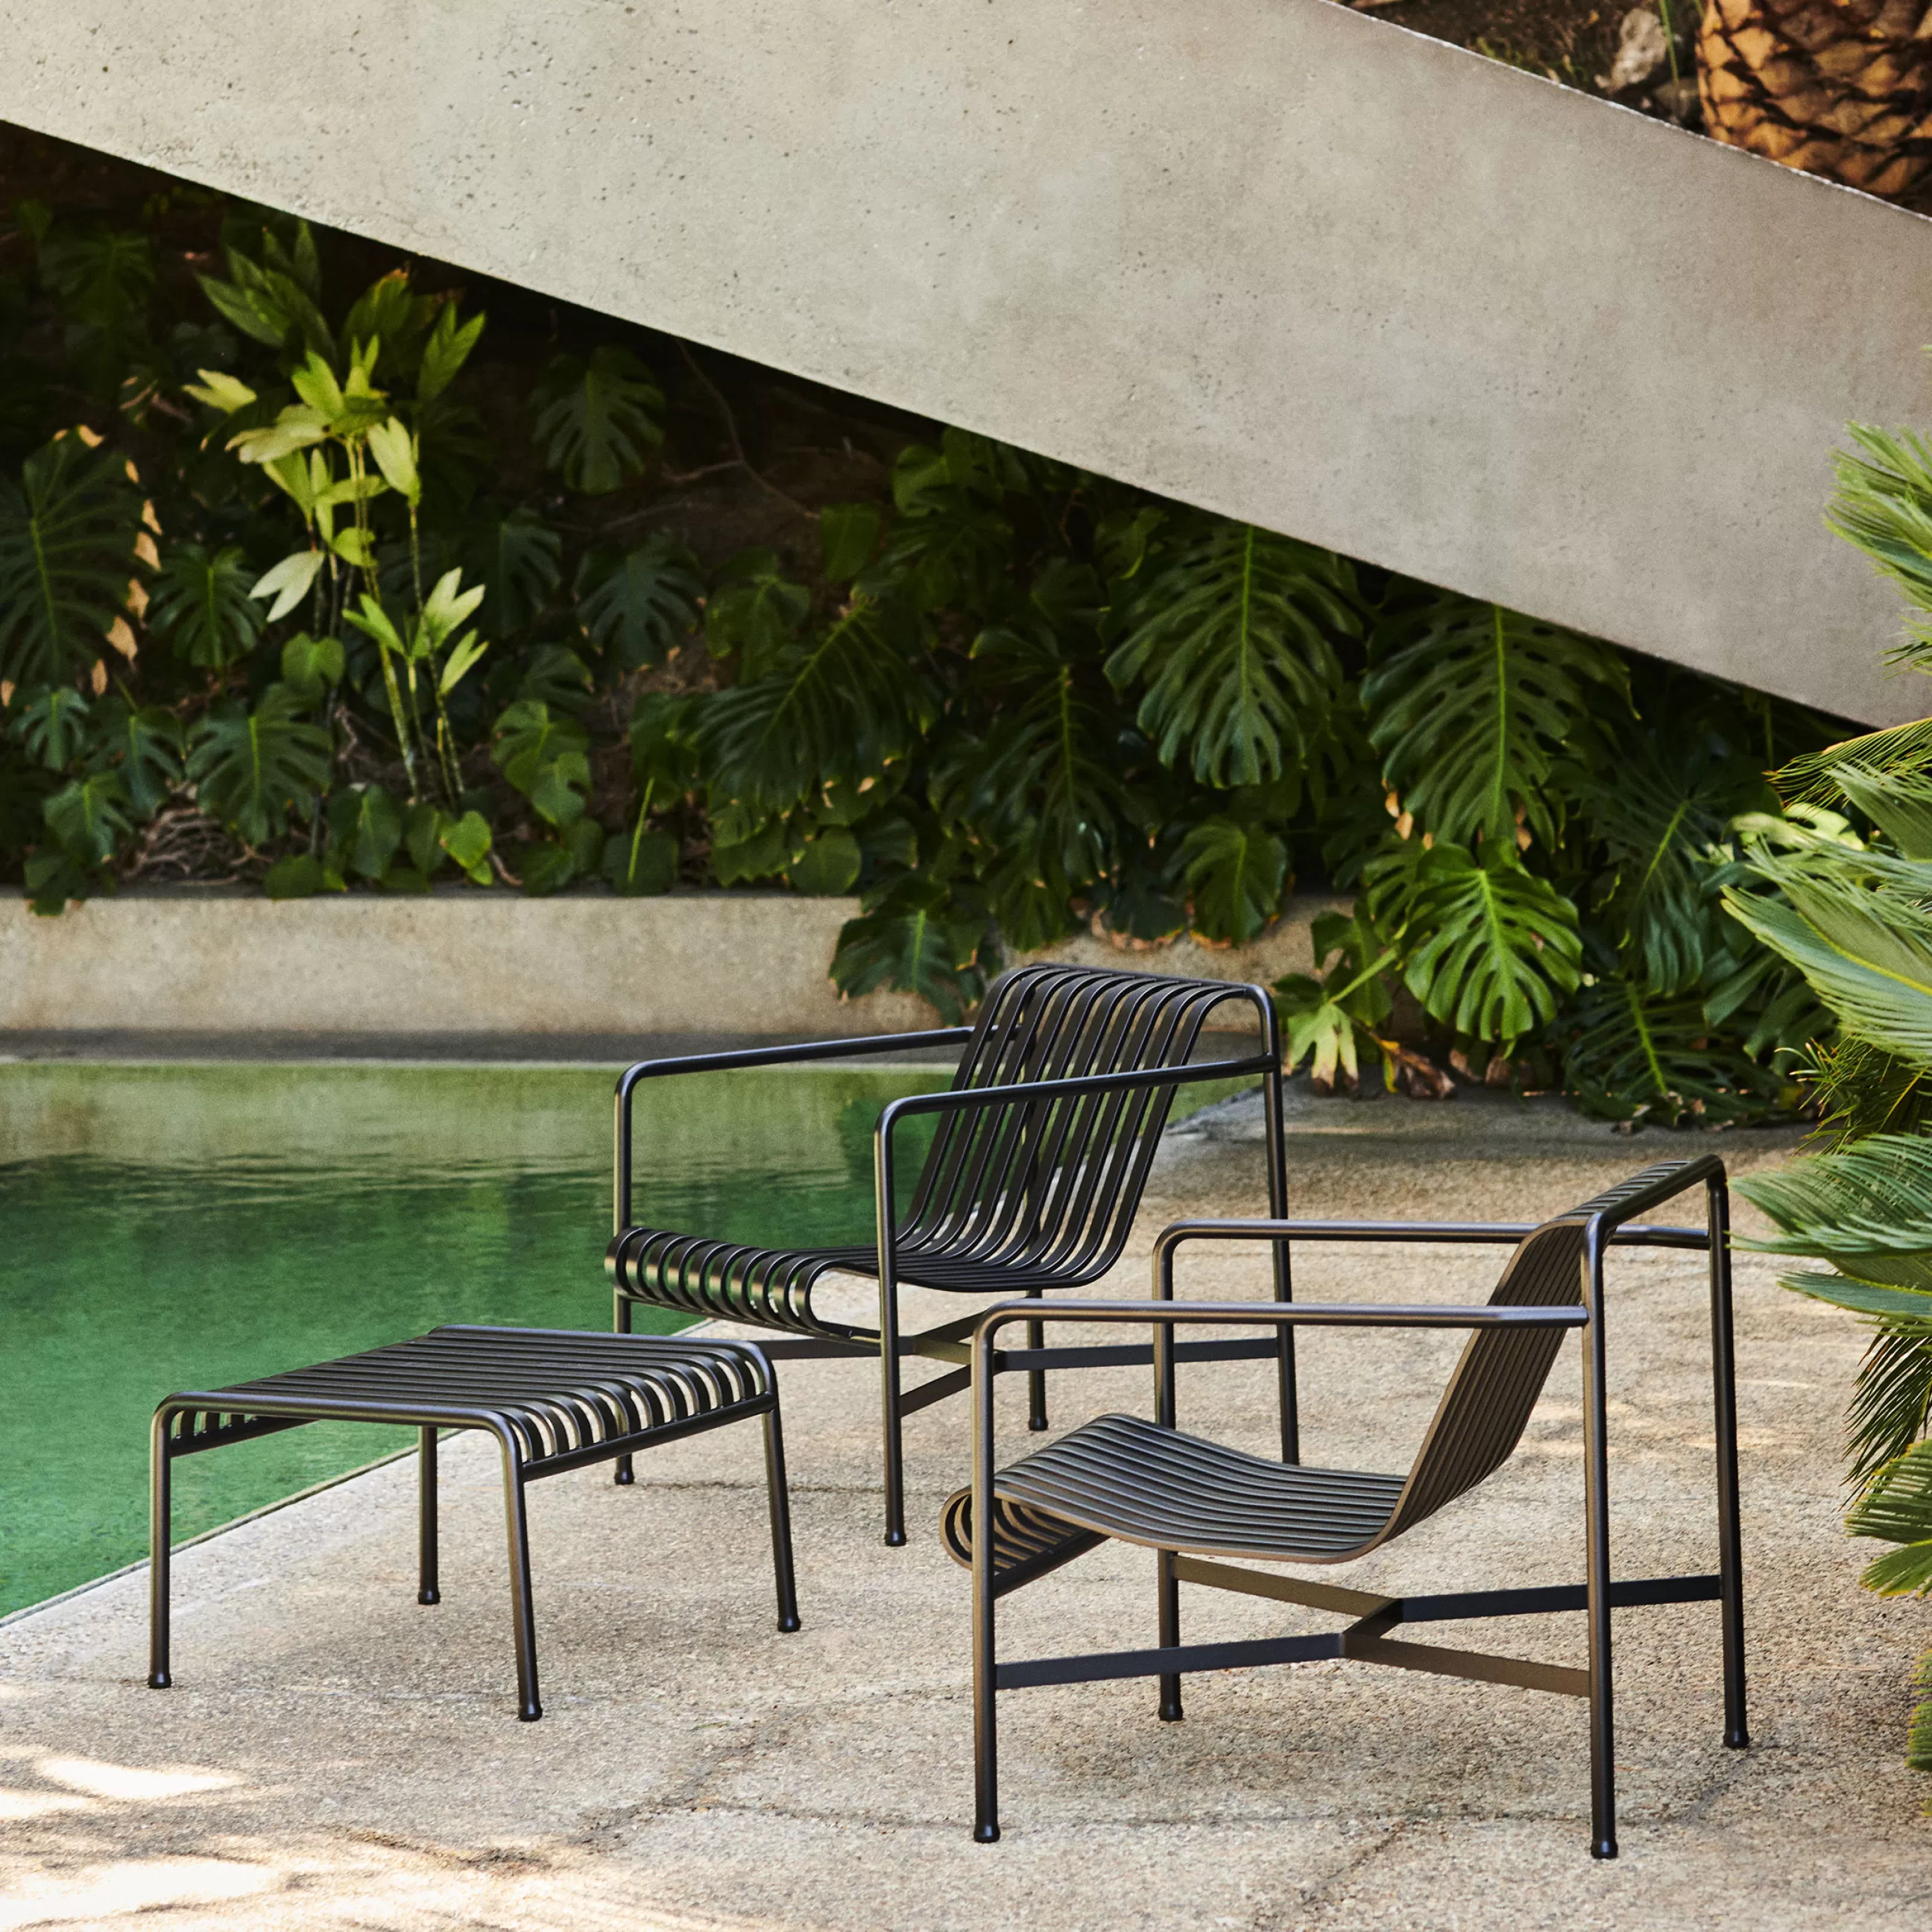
(336, 1756)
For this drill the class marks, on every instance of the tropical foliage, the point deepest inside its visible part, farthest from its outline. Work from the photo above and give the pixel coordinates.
(1839, 886)
(297, 584)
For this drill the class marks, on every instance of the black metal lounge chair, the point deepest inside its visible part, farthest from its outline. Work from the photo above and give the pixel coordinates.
(1190, 1499)
(1032, 1182)
(555, 1399)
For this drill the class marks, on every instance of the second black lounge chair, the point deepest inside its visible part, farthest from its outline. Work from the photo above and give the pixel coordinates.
(1191, 1499)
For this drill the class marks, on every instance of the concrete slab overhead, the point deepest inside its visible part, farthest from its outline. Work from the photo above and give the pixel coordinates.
(334, 1756)
(1270, 257)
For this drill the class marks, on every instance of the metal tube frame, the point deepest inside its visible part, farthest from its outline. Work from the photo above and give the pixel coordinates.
(945, 1343)
(1365, 1638)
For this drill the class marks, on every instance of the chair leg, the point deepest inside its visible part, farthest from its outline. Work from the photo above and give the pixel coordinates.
(1730, 1552)
(889, 1416)
(161, 1535)
(779, 1499)
(1596, 1574)
(1036, 1378)
(1170, 1635)
(522, 1609)
(620, 1325)
(986, 1718)
(427, 1592)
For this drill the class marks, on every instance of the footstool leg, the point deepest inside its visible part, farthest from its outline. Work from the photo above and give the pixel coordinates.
(620, 1325)
(523, 1611)
(780, 1500)
(160, 1533)
(427, 1592)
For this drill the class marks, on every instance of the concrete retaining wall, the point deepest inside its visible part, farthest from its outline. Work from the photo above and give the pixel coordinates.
(464, 963)
(1271, 256)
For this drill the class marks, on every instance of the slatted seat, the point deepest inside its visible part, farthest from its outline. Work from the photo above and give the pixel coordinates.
(1124, 1477)
(1044, 1143)
(554, 1399)
(1189, 1498)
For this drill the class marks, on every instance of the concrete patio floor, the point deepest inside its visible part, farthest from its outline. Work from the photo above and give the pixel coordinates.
(335, 1756)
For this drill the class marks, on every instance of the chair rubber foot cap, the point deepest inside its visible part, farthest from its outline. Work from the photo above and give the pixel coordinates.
(1737, 1740)
(788, 1623)
(429, 1596)
(160, 1680)
(530, 1715)
(1170, 1714)
(895, 1539)
(985, 1835)
(1038, 1424)
(1604, 1848)
(623, 1479)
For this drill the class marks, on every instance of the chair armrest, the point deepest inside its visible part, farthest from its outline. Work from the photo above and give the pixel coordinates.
(632, 1077)
(1501, 1233)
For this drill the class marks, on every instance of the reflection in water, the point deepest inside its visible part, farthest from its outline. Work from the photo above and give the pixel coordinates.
(168, 1228)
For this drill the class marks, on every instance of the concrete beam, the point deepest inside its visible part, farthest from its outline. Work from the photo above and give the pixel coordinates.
(1266, 256)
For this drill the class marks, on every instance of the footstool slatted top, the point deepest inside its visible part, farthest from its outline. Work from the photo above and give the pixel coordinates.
(560, 1393)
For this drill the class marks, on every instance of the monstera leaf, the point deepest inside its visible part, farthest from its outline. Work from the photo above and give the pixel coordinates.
(1469, 706)
(545, 755)
(68, 531)
(144, 743)
(754, 611)
(1047, 788)
(1235, 644)
(201, 606)
(1498, 947)
(250, 770)
(918, 939)
(839, 706)
(1236, 872)
(89, 816)
(597, 422)
(638, 604)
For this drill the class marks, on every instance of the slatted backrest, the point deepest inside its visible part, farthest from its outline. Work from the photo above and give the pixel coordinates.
(1486, 1406)
(1052, 1187)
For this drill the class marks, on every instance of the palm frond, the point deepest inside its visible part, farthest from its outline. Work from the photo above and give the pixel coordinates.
(1883, 507)
(1234, 641)
(1636, 1056)
(1866, 1208)
(1811, 777)
(1469, 705)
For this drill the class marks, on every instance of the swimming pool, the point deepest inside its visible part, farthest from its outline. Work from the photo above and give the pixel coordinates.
(168, 1227)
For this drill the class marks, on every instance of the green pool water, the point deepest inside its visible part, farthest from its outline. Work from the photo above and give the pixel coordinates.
(187, 1226)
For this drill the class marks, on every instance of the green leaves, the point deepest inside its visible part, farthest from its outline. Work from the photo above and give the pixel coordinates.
(1635, 1056)
(1236, 872)
(841, 706)
(1469, 705)
(543, 754)
(638, 604)
(250, 770)
(754, 611)
(202, 605)
(1896, 1508)
(68, 533)
(597, 422)
(917, 940)
(1884, 508)
(1499, 946)
(1234, 643)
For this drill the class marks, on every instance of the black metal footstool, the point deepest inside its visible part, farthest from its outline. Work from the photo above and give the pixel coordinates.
(555, 1399)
